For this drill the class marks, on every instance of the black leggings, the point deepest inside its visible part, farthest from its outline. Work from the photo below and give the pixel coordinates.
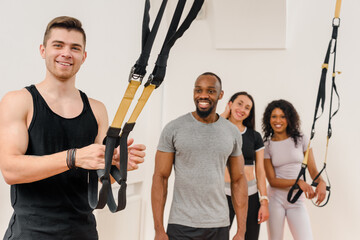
(252, 226)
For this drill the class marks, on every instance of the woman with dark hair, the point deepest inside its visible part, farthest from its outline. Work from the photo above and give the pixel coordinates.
(241, 112)
(285, 147)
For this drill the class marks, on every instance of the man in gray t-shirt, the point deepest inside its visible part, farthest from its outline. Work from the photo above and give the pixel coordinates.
(199, 145)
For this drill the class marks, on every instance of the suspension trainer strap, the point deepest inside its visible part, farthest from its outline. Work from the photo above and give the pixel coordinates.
(290, 197)
(158, 74)
(112, 137)
(328, 187)
(320, 101)
(148, 89)
(120, 176)
(335, 25)
(137, 73)
(148, 38)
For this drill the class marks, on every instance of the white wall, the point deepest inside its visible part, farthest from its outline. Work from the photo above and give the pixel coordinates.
(113, 43)
(113, 29)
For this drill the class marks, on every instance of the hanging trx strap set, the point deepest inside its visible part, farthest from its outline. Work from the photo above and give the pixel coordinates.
(115, 136)
(320, 101)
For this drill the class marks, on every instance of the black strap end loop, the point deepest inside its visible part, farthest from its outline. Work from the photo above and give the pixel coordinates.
(103, 195)
(122, 196)
(297, 194)
(93, 189)
(128, 127)
(290, 197)
(113, 132)
(155, 80)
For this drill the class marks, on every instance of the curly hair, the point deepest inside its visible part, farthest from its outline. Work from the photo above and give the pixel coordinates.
(292, 118)
(250, 120)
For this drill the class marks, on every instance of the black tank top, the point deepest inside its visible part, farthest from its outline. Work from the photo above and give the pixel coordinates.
(56, 207)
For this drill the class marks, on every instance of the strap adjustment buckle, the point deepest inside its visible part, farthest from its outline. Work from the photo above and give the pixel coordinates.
(336, 22)
(134, 76)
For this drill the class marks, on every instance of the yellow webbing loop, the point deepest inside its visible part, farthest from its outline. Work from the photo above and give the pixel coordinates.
(337, 9)
(125, 104)
(141, 102)
(305, 161)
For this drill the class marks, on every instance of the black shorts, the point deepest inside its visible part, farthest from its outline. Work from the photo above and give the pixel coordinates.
(180, 232)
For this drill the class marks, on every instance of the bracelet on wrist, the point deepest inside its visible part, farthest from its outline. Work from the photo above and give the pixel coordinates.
(264, 198)
(70, 158)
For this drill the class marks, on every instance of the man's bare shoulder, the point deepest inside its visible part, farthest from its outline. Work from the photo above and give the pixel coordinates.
(19, 100)
(99, 110)
(97, 106)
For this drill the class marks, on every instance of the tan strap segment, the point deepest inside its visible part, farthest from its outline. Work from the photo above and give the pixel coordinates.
(306, 157)
(327, 147)
(141, 102)
(125, 104)
(337, 9)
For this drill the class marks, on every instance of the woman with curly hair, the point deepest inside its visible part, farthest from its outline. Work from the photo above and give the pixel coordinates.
(285, 147)
(241, 112)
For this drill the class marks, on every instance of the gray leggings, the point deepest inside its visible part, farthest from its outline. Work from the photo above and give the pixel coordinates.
(295, 214)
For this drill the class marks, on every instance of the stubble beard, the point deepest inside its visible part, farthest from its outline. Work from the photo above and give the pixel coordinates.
(204, 114)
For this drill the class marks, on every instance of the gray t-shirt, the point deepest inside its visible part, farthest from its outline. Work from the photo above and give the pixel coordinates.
(201, 153)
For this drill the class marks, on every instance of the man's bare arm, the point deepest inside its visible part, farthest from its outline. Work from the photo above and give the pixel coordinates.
(16, 167)
(239, 193)
(163, 166)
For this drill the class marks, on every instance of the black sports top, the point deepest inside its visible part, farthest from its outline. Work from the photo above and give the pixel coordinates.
(55, 207)
(252, 142)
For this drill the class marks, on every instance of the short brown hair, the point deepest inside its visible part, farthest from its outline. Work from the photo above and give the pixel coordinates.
(66, 22)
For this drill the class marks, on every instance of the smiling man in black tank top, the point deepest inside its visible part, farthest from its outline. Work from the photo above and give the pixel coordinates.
(38, 125)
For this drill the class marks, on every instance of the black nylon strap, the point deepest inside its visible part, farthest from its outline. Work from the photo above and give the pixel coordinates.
(158, 74)
(112, 136)
(290, 197)
(320, 99)
(148, 37)
(333, 89)
(120, 176)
